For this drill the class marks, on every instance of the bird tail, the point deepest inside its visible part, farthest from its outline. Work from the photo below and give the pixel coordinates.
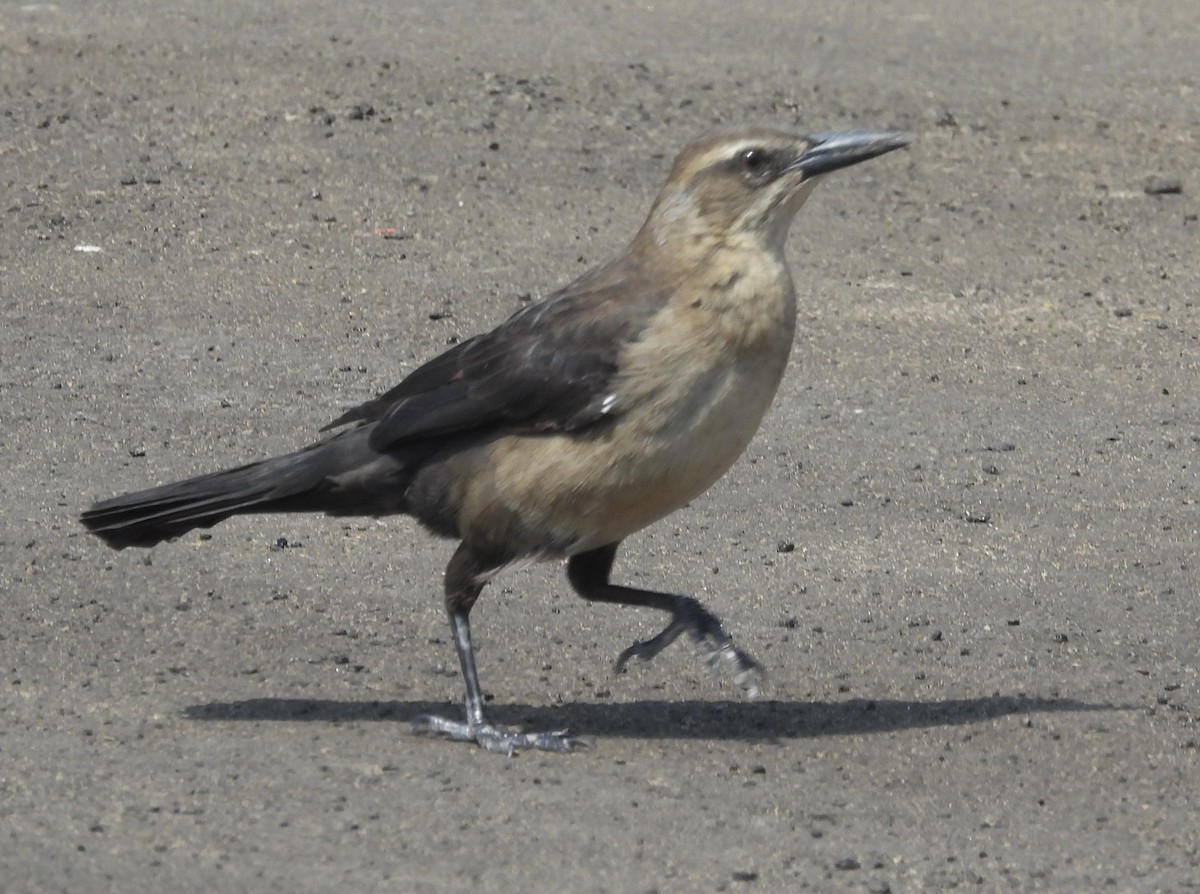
(297, 482)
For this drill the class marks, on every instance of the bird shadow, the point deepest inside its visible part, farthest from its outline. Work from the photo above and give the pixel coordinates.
(762, 720)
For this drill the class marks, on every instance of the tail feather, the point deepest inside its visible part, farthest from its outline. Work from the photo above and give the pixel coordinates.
(150, 516)
(341, 476)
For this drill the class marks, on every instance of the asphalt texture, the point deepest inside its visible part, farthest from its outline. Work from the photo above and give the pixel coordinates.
(964, 543)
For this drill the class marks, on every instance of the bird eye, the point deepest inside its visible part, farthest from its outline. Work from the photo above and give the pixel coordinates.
(753, 161)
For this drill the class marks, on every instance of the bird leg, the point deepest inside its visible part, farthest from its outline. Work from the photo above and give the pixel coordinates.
(689, 616)
(465, 577)
(589, 575)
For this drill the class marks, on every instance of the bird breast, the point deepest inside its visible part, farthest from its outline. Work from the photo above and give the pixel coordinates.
(690, 395)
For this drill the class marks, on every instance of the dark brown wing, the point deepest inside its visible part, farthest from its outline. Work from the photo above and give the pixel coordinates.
(548, 367)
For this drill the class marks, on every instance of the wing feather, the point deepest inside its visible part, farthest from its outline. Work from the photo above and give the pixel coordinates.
(549, 367)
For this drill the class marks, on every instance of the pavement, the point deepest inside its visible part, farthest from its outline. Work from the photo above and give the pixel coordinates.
(964, 543)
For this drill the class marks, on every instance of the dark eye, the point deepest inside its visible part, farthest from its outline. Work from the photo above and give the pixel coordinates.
(753, 161)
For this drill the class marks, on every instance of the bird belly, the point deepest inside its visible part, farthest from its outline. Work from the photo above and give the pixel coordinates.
(575, 492)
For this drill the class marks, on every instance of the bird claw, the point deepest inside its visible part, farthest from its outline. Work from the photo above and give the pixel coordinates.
(495, 738)
(706, 632)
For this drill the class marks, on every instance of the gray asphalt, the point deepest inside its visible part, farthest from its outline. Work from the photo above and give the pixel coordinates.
(964, 543)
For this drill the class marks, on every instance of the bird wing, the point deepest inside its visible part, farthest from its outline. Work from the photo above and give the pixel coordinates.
(549, 367)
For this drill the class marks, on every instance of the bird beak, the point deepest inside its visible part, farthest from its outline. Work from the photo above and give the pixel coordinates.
(830, 151)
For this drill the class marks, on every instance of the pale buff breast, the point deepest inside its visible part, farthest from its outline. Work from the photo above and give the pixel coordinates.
(689, 401)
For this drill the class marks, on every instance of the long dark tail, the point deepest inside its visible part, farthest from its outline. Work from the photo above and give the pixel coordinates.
(310, 480)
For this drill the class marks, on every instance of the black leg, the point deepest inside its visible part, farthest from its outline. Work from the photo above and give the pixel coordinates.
(465, 576)
(589, 574)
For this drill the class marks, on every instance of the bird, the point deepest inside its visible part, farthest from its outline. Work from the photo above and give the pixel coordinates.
(574, 423)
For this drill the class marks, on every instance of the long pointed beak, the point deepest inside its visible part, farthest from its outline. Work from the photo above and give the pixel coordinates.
(830, 151)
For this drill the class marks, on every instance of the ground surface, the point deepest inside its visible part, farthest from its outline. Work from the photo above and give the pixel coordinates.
(964, 543)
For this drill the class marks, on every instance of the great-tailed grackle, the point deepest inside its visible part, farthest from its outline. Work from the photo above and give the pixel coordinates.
(576, 422)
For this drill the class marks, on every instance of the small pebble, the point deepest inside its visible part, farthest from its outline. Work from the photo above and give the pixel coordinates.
(1162, 186)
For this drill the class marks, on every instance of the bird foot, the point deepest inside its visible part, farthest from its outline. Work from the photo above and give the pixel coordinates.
(497, 738)
(706, 632)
